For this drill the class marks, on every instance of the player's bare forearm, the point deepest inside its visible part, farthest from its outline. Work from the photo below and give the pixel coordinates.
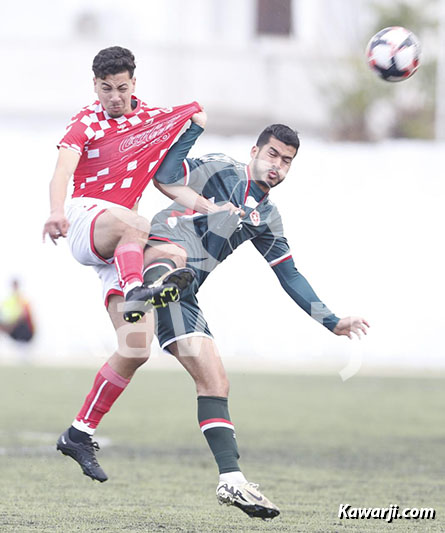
(66, 165)
(189, 198)
(57, 225)
(57, 193)
(186, 197)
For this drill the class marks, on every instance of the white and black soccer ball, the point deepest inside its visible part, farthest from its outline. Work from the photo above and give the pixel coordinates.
(394, 53)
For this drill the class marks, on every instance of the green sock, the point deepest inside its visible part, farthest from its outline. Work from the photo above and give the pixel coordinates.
(214, 421)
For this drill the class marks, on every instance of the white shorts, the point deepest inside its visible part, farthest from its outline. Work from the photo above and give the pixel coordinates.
(82, 214)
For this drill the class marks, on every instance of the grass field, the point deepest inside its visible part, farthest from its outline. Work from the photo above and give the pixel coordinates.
(311, 442)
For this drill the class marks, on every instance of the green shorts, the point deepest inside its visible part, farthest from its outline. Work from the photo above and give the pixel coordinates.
(181, 320)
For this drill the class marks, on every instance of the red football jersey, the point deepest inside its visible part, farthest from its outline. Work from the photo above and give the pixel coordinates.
(119, 156)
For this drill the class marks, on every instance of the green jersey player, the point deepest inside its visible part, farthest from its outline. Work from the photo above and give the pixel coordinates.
(206, 240)
(209, 239)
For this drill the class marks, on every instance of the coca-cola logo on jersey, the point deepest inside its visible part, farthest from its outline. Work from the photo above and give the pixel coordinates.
(151, 136)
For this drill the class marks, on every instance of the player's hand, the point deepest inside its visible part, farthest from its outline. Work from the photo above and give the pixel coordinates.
(351, 325)
(200, 119)
(232, 209)
(56, 226)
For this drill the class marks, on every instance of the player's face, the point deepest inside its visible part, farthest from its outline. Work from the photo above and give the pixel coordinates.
(115, 92)
(271, 163)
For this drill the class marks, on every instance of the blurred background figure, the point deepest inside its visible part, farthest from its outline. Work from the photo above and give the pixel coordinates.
(16, 319)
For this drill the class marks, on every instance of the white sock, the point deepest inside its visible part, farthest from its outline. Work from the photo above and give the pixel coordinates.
(234, 478)
(81, 426)
(130, 286)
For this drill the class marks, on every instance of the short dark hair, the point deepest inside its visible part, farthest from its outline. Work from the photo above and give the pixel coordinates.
(113, 60)
(281, 132)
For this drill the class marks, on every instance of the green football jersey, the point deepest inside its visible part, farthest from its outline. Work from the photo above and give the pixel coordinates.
(209, 239)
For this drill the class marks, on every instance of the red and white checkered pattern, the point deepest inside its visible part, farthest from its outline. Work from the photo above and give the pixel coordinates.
(120, 156)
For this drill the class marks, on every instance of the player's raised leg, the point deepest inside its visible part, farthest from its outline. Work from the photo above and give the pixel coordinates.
(122, 234)
(134, 342)
(165, 266)
(200, 357)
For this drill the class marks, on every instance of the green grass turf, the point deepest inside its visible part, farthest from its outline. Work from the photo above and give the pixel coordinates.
(311, 442)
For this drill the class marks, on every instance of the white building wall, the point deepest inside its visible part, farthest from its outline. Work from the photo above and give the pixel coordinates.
(205, 50)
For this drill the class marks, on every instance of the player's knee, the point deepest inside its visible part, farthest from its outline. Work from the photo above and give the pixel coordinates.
(224, 387)
(141, 224)
(134, 344)
(213, 386)
(173, 252)
(132, 223)
(179, 256)
(139, 355)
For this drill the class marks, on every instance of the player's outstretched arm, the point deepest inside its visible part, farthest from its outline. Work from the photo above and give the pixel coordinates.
(57, 225)
(351, 325)
(170, 175)
(171, 171)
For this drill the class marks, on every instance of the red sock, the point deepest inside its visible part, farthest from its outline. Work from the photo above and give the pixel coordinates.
(107, 388)
(129, 261)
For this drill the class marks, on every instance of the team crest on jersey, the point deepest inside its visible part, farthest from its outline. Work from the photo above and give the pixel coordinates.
(255, 217)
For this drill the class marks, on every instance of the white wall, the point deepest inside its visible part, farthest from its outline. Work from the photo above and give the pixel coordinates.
(199, 49)
(365, 223)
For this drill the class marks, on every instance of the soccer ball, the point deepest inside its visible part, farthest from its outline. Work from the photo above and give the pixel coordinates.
(394, 53)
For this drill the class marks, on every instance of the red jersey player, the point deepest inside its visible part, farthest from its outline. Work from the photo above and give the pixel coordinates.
(114, 147)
